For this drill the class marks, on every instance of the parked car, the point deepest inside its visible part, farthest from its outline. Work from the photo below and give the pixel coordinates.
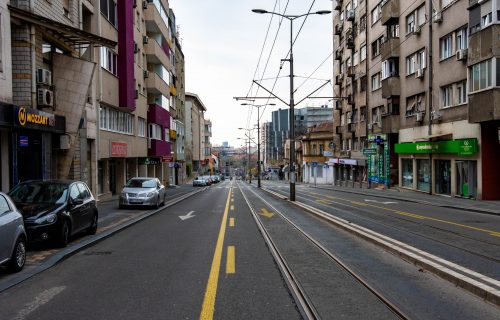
(216, 179)
(199, 182)
(208, 180)
(55, 209)
(12, 235)
(143, 191)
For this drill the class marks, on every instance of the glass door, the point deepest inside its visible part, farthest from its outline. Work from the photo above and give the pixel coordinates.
(466, 178)
(443, 177)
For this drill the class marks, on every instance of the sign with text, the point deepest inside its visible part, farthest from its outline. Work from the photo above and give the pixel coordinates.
(148, 161)
(32, 118)
(167, 159)
(118, 149)
(464, 147)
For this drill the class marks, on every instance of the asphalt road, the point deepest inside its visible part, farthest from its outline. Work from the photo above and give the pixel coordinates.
(164, 268)
(469, 239)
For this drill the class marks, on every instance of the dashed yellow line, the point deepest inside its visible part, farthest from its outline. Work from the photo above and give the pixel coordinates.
(232, 207)
(231, 261)
(231, 222)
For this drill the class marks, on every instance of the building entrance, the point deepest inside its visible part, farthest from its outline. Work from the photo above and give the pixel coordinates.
(443, 177)
(29, 146)
(466, 178)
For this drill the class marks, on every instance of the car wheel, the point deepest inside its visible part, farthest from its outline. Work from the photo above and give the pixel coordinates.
(164, 200)
(64, 235)
(157, 206)
(93, 227)
(18, 258)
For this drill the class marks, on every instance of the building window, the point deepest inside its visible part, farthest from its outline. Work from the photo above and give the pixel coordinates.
(116, 121)
(390, 68)
(376, 13)
(445, 47)
(66, 8)
(167, 134)
(415, 104)
(376, 84)
(462, 92)
(423, 175)
(445, 3)
(362, 53)
(362, 114)
(376, 47)
(1, 46)
(108, 10)
(109, 60)
(415, 19)
(447, 96)
(407, 172)
(462, 41)
(486, 20)
(141, 130)
(362, 84)
(154, 131)
(481, 75)
(415, 61)
(362, 23)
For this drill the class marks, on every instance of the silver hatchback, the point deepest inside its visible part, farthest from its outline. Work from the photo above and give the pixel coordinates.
(143, 191)
(12, 235)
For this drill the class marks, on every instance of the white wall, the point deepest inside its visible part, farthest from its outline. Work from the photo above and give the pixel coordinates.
(5, 54)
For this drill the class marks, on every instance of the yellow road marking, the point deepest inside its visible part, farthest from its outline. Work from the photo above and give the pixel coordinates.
(230, 262)
(207, 310)
(266, 213)
(232, 208)
(413, 215)
(323, 201)
(231, 222)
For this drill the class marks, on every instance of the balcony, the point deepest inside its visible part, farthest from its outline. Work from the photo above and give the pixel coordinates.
(482, 44)
(156, 85)
(390, 48)
(157, 114)
(159, 148)
(484, 105)
(390, 124)
(154, 21)
(156, 54)
(391, 86)
(390, 12)
(338, 54)
(338, 29)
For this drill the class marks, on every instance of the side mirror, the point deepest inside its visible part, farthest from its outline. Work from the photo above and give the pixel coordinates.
(76, 201)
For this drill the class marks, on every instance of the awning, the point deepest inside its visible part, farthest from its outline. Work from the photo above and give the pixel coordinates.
(67, 33)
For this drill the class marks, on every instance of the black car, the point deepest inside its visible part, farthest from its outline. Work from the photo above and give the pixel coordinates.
(54, 209)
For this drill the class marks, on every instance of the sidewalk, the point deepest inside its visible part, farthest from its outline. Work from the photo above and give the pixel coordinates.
(481, 206)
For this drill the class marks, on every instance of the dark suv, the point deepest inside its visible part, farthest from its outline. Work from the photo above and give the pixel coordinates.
(55, 209)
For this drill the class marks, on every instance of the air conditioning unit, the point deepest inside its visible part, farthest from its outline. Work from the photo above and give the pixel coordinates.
(44, 76)
(45, 97)
(145, 4)
(420, 117)
(349, 120)
(461, 55)
(145, 39)
(436, 115)
(136, 47)
(417, 30)
(146, 73)
(419, 73)
(370, 126)
(350, 15)
(438, 17)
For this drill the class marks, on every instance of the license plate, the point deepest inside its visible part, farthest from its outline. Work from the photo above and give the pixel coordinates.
(135, 201)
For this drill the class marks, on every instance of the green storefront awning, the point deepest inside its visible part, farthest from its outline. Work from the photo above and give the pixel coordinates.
(463, 147)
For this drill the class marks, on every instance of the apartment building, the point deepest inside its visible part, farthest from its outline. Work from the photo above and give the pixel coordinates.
(195, 127)
(48, 114)
(135, 92)
(314, 154)
(208, 162)
(402, 110)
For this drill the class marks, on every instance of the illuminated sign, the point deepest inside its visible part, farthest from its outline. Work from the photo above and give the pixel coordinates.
(27, 117)
(118, 149)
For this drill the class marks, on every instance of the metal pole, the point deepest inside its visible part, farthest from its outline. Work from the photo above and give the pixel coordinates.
(248, 164)
(258, 147)
(292, 120)
(430, 77)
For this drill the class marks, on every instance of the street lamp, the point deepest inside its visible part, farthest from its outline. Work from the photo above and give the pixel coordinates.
(258, 135)
(249, 138)
(292, 114)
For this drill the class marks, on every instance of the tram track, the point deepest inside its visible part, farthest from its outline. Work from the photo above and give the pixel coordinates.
(306, 305)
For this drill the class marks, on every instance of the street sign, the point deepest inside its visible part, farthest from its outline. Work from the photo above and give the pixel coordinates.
(369, 151)
(331, 145)
(314, 164)
(327, 153)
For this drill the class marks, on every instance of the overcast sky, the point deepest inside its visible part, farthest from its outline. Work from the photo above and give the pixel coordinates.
(222, 41)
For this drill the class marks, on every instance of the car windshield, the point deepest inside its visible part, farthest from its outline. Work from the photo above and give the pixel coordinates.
(39, 192)
(141, 183)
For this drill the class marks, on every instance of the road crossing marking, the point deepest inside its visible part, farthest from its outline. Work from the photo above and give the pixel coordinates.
(231, 222)
(207, 310)
(231, 261)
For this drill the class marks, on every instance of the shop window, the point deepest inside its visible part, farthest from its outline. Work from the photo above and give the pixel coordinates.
(407, 171)
(319, 171)
(423, 175)
(443, 176)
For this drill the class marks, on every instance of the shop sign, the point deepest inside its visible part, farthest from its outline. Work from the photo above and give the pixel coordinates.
(464, 147)
(167, 159)
(118, 149)
(327, 153)
(369, 151)
(23, 141)
(32, 118)
(377, 138)
(314, 164)
(148, 161)
(350, 162)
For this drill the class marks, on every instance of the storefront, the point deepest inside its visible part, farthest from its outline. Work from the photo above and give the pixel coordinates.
(382, 162)
(446, 167)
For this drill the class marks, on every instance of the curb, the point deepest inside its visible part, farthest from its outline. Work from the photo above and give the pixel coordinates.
(469, 209)
(71, 250)
(474, 282)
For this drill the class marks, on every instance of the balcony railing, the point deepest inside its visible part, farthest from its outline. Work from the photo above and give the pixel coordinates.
(390, 12)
